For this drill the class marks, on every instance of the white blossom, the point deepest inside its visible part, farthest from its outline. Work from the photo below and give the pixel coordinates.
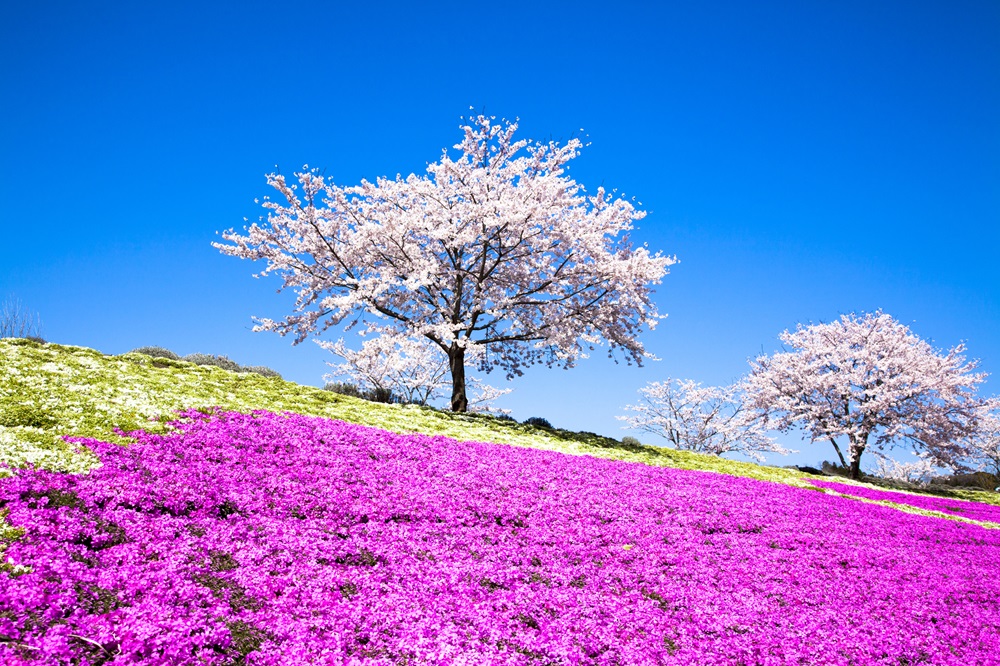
(983, 446)
(704, 419)
(410, 368)
(918, 471)
(873, 382)
(494, 246)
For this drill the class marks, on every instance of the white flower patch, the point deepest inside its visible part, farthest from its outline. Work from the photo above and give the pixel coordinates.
(20, 445)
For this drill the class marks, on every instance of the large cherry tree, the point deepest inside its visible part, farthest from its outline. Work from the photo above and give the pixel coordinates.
(495, 246)
(869, 381)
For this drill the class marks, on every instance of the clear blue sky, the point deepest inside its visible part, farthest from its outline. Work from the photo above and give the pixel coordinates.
(802, 160)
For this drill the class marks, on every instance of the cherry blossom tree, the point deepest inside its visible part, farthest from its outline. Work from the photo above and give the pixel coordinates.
(407, 367)
(984, 444)
(495, 247)
(917, 471)
(704, 419)
(871, 381)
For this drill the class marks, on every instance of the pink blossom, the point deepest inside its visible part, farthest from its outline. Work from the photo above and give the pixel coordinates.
(283, 539)
(870, 380)
(496, 246)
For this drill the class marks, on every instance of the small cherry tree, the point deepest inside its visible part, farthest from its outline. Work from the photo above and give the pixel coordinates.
(494, 247)
(870, 380)
(704, 419)
(917, 471)
(406, 367)
(984, 445)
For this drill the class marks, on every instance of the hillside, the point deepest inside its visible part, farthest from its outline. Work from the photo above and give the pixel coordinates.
(236, 519)
(49, 392)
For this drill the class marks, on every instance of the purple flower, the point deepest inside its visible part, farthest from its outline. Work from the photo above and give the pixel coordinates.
(282, 539)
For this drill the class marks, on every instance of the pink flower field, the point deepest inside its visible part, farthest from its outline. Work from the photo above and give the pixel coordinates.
(282, 539)
(966, 509)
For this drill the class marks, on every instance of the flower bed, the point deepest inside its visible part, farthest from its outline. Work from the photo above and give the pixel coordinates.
(283, 539)
(966, 509)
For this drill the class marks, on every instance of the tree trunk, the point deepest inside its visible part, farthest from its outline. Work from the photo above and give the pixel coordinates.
(839, 454)
(856, 457)
(456, 360)
(856, 468)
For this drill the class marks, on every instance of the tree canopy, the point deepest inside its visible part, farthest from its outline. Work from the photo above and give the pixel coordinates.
(704, 419)
(870, 380)
(495, 246)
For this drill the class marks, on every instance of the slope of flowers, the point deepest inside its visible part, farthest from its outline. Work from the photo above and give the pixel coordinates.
(283, 539)
(973, 510)
(50, 391)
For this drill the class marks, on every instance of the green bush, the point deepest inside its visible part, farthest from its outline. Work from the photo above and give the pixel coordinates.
(538, 422)
(261, 370)
(223, 362)
(833, 469)
(342, 388)
(381, 395)
(30, 341)
(631, 441)
(156, 352)
(981, 480)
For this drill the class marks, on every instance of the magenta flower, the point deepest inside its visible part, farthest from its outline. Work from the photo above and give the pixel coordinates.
(955, 507)
(282, 539)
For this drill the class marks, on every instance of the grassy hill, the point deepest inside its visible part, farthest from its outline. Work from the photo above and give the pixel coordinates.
(166, 512)
(49, 392)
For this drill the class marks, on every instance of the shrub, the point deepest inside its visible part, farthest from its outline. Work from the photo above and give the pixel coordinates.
(833, 469)
(631, 441)
(261, 370)
(982, 480)
(538, 422)
(17, 321)
(504, 417)
(223, 362)
(382, 395)
(156, 352)
(343, 388)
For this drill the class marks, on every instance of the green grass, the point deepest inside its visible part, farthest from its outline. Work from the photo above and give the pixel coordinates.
(50, 391)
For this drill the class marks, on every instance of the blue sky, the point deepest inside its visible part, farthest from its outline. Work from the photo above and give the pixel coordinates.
(802, 160)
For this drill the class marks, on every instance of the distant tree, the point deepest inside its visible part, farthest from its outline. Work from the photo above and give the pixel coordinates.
(917, 471)
(390, 363)
(704, 419)
(871, 381)
(17, 321)
(495, 248)
(409, 368)
(984, 444)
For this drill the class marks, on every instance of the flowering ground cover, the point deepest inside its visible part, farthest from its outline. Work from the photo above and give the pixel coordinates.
(50, 391)
(285, 539)
(973, 510)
